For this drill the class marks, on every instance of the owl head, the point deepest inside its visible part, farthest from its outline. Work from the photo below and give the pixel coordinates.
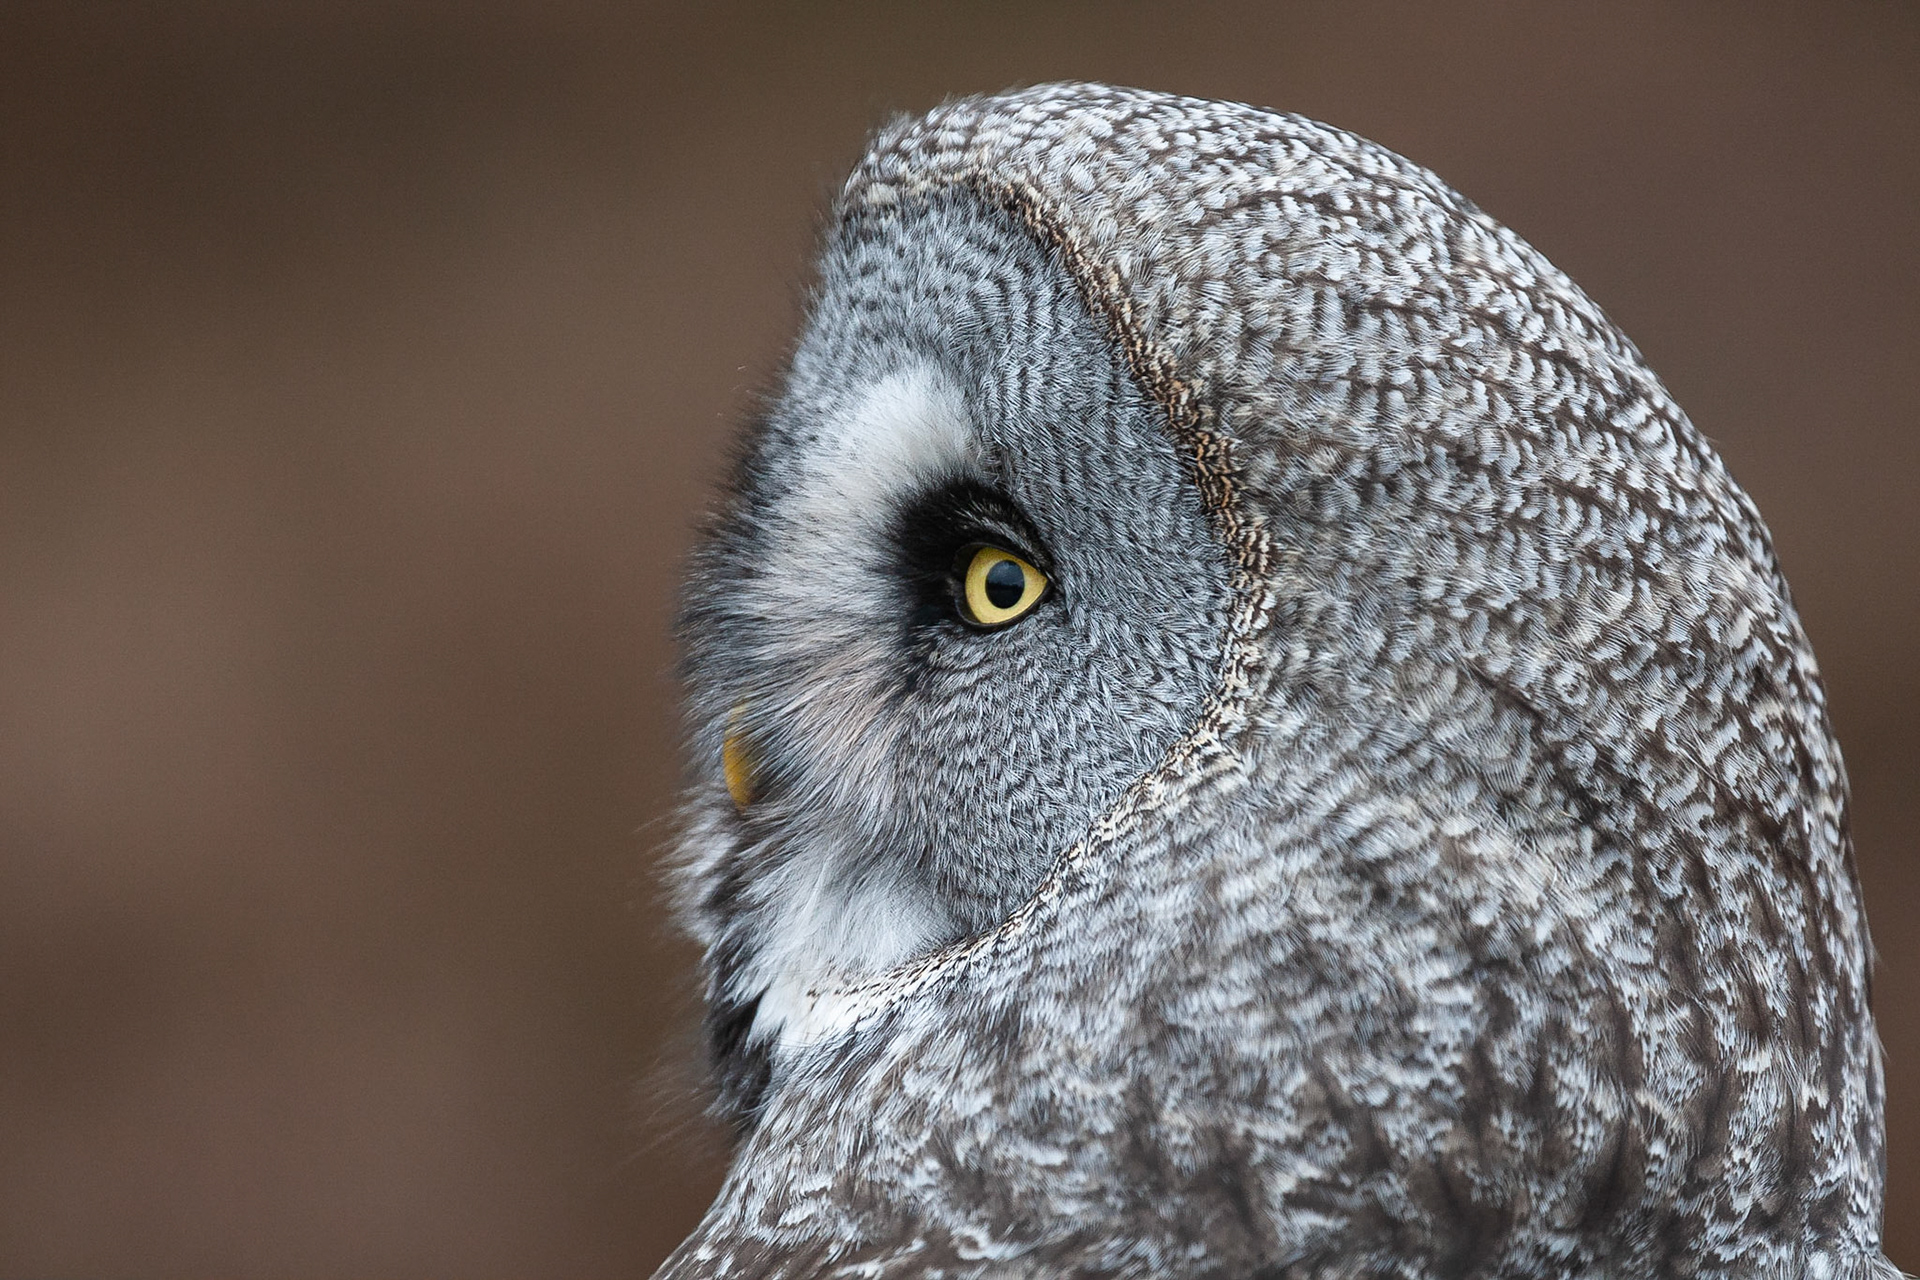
(1236, 728)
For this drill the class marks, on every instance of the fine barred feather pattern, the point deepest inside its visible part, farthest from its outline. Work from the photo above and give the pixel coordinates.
(1410, 843)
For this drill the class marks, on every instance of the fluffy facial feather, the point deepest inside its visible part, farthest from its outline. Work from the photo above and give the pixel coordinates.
(917, 775)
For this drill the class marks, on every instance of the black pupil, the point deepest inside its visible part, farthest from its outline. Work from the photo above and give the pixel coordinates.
(1005, 584)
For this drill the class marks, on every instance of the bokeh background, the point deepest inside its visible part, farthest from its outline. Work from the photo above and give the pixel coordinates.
(362, 371)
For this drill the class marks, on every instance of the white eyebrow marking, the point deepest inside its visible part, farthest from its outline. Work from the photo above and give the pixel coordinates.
(902, 432)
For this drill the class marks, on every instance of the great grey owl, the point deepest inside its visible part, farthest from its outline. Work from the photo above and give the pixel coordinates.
(1237, 731)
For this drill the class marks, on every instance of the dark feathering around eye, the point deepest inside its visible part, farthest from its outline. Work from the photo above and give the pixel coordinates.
(967, 553)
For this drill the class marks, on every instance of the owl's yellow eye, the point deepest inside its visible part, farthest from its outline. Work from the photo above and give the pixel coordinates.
(999, 587)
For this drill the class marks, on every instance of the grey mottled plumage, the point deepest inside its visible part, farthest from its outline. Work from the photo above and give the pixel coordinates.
(1408, 840)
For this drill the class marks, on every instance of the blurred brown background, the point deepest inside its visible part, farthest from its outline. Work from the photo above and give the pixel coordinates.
(362, 367)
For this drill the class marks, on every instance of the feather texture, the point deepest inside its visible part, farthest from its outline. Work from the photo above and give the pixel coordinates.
(1412, 844)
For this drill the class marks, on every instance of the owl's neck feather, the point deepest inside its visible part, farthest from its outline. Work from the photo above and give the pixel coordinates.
(824, 938)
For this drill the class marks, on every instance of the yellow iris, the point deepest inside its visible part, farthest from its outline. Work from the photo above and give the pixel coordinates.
(1000, 587)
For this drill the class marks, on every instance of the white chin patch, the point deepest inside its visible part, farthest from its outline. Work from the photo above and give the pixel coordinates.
(820, 942)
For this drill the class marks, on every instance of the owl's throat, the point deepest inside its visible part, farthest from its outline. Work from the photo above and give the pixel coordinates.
(808, 932)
